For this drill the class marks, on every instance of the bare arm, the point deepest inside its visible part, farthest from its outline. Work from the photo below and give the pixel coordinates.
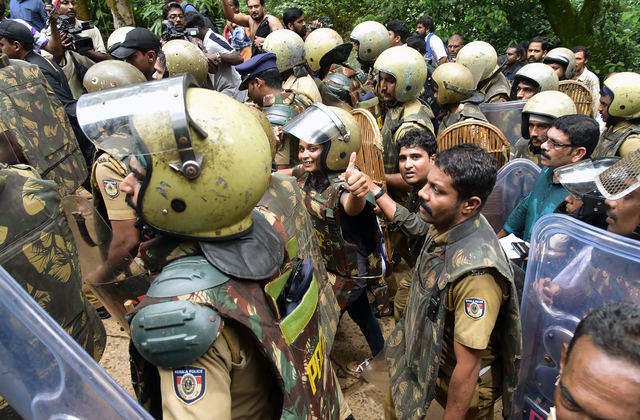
(233, 58)
(237, 18)
(95, 56)
(502, 234)
(442, 60)
(274, 23)
(385, 203)
(395, 182)
(54, 46)
(463, 381)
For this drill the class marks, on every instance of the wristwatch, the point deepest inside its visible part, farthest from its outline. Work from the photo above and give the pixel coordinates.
(380, 193)
(218, 59)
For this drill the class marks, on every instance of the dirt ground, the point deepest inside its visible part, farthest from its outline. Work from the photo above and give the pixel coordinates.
(364, 399)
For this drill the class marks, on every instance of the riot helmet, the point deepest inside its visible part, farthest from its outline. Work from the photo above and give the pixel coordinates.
(565, 57)
(407, 66)
(455, 83)
(110, 74)
(479, 57)
(549, 105)
(330, 126)
(624, 90)
(541, 75)
(288, 48)
(207, 158)
(267, 126)
(372, 38)
(324, 47)
(184, 57)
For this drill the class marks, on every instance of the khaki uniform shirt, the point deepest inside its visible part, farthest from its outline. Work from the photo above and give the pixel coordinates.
(303, 85)
(630, 144)
(109, 179)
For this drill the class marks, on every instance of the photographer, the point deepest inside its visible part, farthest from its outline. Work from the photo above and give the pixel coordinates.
(173, 19)
(81, 41)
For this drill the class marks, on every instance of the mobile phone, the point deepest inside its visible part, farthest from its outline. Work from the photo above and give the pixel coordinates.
(521, 248)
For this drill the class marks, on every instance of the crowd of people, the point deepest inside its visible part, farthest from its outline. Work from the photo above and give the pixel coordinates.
(225, 161)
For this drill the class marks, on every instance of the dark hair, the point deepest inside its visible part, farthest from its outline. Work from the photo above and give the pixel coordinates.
(290, 15)
(271, 78)
(261, 2)
(27, 46)
(167, 7)
(428, 23)
(615, 329)
(399, 27)
(418, 138)
(518, 48)
(581, 130)
(193, 19)
(543, 40)
(472, 170)
(236, 3)
(162, 59)
(584, 50)
(418, 43)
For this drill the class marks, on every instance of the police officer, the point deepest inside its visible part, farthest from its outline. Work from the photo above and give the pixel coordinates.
(562, 61)
(260, 353)
(370, 39)
(531, 79)
(620, 109)
(455, 92)
(289, 50)
(460, 338)
(481, 58)
(537, 116)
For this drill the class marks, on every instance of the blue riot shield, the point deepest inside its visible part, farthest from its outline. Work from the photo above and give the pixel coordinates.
(507, 116)
(45, 373)
(573, 268)
(513, 183)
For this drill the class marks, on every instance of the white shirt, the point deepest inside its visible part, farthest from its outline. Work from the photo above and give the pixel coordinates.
(593, 83)
(437, 46)
(227, 79)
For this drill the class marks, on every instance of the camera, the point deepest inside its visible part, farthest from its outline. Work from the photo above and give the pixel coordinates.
(325, 22)
(81, 44)
(172, 33)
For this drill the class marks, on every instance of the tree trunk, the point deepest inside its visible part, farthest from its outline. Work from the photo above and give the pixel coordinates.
(122, 13)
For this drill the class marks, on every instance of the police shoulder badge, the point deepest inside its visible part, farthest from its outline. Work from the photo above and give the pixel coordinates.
(189, 383)
(474, 308)
(111, 188)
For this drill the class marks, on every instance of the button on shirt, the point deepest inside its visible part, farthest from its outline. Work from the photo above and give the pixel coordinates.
(543, 199)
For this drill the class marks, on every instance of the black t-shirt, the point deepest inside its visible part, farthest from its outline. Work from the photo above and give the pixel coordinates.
(56, 78)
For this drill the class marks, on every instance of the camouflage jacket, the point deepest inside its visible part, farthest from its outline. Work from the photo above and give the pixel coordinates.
(39, 125)
(399, 119)
(295, 345)
(38, 251)
(341, 257)
(414, 347)
(497, 89)
(469, 111)
(288, 97)
(523, 151)
(610, 141)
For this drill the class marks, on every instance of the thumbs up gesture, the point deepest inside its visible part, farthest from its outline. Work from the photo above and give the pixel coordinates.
(356, 180)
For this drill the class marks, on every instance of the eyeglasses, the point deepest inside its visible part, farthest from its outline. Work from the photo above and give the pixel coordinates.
(557, 145)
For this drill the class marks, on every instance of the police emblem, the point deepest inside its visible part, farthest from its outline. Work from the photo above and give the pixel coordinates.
(474, 308)
(111, 188)
(189, 383)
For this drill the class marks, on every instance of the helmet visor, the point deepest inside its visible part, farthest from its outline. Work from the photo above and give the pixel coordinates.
(316, 125)
(620, 179)
(579, 178)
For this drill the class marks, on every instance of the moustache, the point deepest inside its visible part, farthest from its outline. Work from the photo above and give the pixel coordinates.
(545, 154)
(425, 206)
(612, 215)
(129, 200)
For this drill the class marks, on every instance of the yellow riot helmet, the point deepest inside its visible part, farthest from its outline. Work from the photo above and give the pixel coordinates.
(116, 37)
(372, 38)
(550, 104)
(288, 48)
(407, 66)
(323, 47)
(565, 57)
(540, 74)
(267, 127)
(330, 126)
(455, 83)
(184, 57)
(624, 90)
(207, 157)
(479, 57)
(110, 74)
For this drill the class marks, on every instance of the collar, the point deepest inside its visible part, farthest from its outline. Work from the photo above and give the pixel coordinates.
(458, 232)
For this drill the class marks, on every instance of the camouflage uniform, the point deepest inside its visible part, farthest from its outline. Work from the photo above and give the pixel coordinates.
(38, 123)
(497, 89)
(340, 257)
(414, 347)
(37, 249)
(357, 91)
(296, 351)
(612, 141)
(523, 151)
(468, 111)
(287, 154)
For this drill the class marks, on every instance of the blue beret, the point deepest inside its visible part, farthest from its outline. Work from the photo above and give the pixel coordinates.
(255, 65)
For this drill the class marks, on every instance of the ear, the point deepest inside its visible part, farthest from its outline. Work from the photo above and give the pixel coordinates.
(290, 26)
(151, 56)
(432, 158)
(578, 154)
(471, 205)
(563, 358)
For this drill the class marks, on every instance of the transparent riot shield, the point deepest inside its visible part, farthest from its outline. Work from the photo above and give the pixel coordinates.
(116, 279)
(507, 116)
(513, 183)
(45, 373)
(573, 268)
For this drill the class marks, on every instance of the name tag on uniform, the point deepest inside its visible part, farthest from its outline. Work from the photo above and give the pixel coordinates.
(474, 308)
